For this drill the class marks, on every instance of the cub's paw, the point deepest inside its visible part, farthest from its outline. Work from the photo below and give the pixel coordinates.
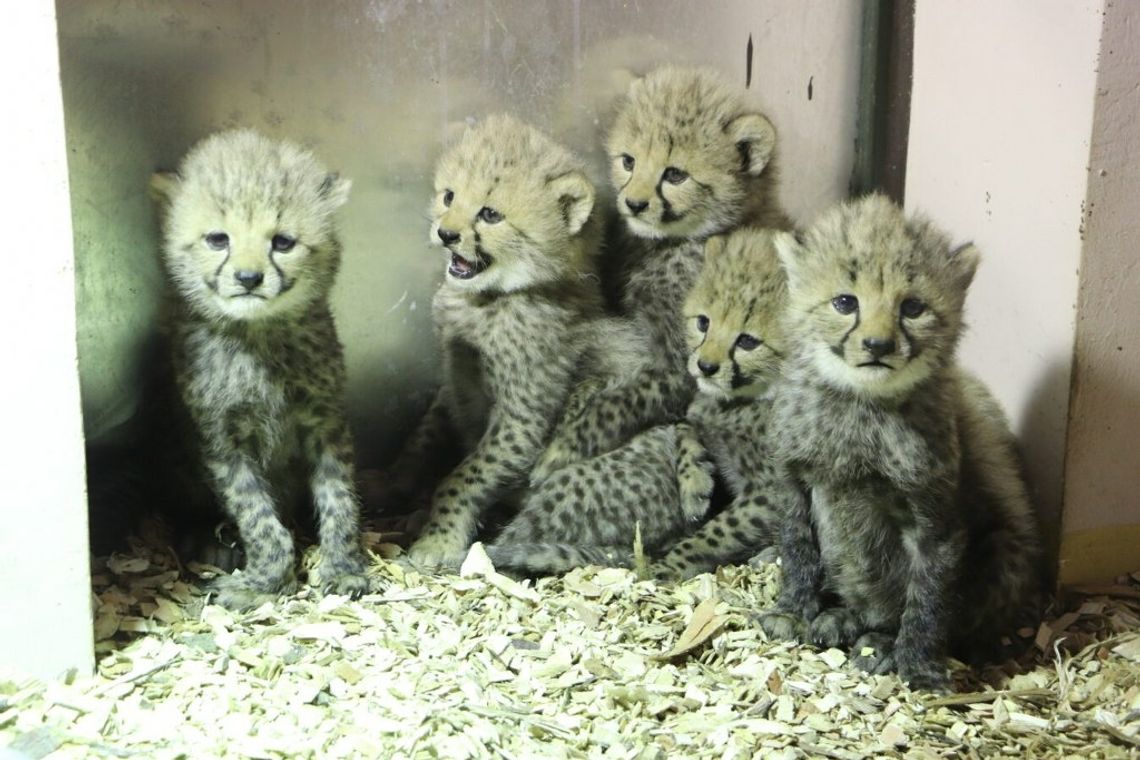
(437, 552)
(239, 593)
(345, 576)
(767, 556)
(874, 652)
(833, 627)
(779, 624)
(695, 482)
(354, 585)
(922, 673)
(218, 545)
(682, 563)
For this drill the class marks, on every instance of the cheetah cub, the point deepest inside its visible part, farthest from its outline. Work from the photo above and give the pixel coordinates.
(661, 479)
(910, 531)
(251, 250)
(691, 158)
(735, 319)
(515, 313)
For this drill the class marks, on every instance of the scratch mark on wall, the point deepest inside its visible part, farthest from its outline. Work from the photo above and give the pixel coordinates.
(397, 304)
(748, 63)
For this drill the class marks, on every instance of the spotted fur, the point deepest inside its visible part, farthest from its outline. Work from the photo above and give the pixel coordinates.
(250, 247)
(590, 512)
(908, 527)
(690, 158)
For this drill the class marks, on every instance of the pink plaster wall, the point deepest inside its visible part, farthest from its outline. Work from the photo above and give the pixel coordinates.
(1002, 113)
(1102, 469)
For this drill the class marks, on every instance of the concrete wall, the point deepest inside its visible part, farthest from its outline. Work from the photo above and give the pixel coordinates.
(373, 86)
(1001, 118)
(45, 587)
(1102, 468)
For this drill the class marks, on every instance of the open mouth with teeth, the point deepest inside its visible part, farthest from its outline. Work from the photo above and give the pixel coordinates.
(464, 269)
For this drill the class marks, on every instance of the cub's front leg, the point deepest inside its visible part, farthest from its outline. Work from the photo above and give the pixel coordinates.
(243, 490)
(801, 565)
(934, 548)
(501, 460)
(328, 448)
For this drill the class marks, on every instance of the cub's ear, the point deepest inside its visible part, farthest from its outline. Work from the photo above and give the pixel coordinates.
(575, 197)
(162, 187)
(965, 260)
(334, 189)
(790, 249)
(755, 137)
(715, 246)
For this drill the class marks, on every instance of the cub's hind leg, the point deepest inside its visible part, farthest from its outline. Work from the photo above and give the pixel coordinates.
(746, 526)
(589, 512)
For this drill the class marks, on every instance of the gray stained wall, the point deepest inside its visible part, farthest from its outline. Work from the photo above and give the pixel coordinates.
(373, 87)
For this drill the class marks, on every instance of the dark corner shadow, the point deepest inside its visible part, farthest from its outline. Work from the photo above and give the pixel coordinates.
(1041, 433)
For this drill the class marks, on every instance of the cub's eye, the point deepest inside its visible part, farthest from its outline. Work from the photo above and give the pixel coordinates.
(703, 323)
(912, 307)
(627, 162)
(845, 304)
(219, 241)
(746, 342)
(674, 176)
(283, 243)
(448, 197)
(490, 215)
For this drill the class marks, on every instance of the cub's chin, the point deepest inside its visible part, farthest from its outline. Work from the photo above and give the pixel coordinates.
(881, 379)
(710, 388)
(643, 229)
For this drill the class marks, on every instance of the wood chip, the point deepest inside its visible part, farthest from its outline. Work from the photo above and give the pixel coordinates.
(597, 663)
(702, 626)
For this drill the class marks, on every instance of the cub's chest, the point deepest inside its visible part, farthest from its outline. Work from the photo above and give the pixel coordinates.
(222, 373)
(505, 328)
(848, 442)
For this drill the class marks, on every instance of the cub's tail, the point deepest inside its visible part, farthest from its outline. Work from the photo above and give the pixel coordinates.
(552, 558)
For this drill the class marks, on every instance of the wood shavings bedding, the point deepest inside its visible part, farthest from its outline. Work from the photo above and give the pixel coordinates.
(596, 664)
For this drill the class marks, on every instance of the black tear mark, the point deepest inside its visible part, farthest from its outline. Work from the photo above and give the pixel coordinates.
(748, 64)
(811, 79)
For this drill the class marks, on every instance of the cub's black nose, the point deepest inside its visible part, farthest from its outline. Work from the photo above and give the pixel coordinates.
(249, 280)
(708, 369)
(879, 347)
(636, 207)
(447, 236)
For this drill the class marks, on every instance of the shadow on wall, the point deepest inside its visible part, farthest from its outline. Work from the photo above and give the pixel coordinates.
(1042, 437)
